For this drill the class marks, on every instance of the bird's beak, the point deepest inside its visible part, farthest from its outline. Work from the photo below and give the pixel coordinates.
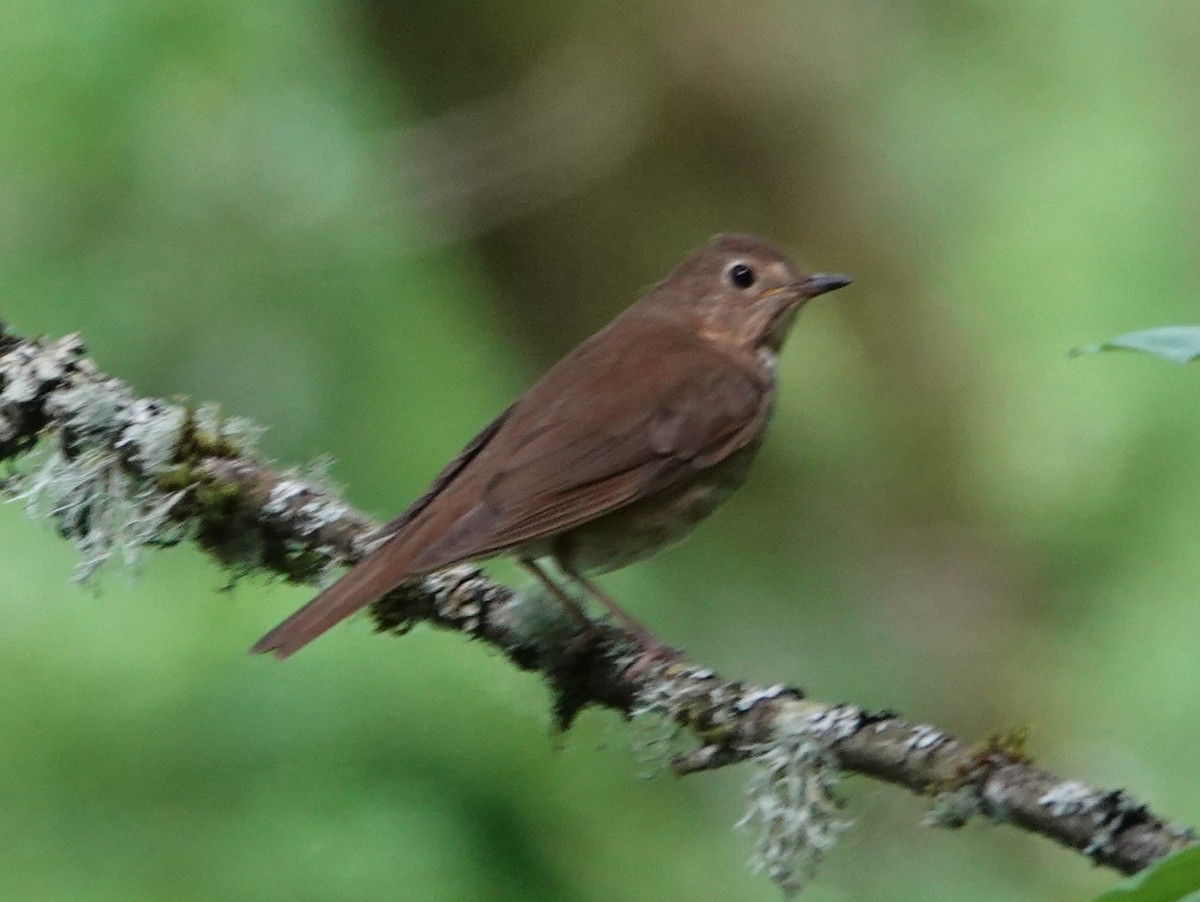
(821, 283)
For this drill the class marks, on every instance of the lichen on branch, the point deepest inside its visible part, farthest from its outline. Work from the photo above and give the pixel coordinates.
(117, 475)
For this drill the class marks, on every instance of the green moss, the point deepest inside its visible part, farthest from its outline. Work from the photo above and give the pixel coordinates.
(196, 443)
(698, 717)
(295, 562)
(1010, 743)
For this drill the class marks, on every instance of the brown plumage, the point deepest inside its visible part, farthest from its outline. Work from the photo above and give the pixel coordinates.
(620, 448)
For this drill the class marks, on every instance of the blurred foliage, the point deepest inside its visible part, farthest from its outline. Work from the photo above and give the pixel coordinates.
(1174, 879)
(370, 225)
(1179, 344)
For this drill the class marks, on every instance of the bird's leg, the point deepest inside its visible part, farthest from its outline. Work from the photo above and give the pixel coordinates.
(652, 649)
(578, 614)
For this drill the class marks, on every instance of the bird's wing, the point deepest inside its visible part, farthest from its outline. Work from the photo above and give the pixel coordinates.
(444, 478)
(597, 432)
(623, 434)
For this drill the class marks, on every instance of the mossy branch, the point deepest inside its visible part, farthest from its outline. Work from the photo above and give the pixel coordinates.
(118, 474)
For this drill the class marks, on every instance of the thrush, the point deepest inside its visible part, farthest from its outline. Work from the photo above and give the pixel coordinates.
(619, 450)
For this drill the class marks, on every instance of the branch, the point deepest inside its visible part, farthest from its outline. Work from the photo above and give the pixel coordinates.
(119, 474)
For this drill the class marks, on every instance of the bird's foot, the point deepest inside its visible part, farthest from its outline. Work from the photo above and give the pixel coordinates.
(582, 640)
(652, 653)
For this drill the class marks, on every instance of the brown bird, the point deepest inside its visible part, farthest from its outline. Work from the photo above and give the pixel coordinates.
(621, 448)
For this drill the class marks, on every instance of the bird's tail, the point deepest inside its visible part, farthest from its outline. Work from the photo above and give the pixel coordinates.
(371, 578)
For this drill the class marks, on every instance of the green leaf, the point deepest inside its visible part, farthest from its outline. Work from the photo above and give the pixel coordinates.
(1179, 344)
(1175, 878)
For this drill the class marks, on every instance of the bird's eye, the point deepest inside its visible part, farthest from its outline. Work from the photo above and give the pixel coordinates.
(742, 275)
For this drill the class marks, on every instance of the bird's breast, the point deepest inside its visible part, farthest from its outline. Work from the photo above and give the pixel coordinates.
(649, 524)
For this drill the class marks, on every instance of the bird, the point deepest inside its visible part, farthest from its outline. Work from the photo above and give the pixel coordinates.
(618, 450)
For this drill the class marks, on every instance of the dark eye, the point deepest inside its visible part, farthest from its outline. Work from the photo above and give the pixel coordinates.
(741, 275)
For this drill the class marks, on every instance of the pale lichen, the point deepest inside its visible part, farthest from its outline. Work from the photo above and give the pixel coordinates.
(96, 504)
(924, 738)
(1107, 810)
(1069, 797)
(661, 705)
(953, 808)
(110, 469)
(791, 803)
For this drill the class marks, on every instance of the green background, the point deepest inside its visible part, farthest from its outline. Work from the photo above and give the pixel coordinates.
(369, 225)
